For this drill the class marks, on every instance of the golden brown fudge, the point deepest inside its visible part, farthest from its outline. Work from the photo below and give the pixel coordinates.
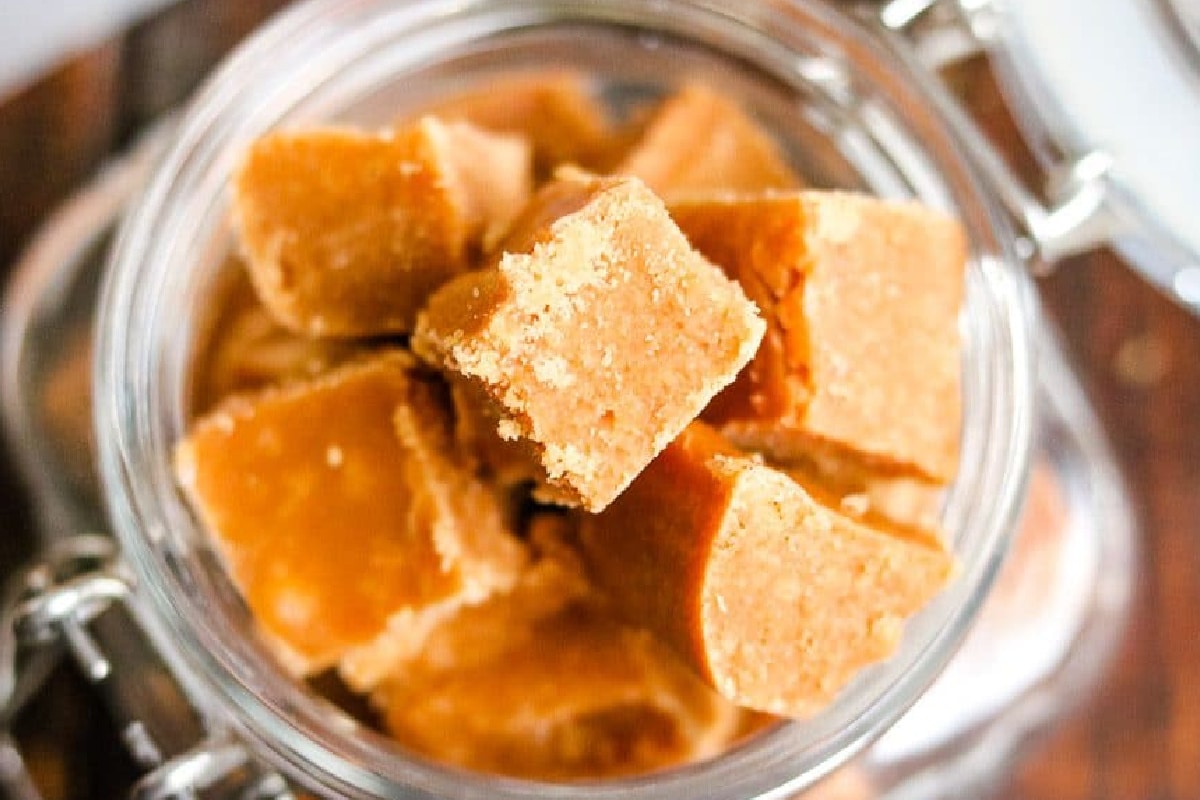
(598, 343)
(506, 463)
(248, 351)
(878, 500)
(774, 599)
(555, 110)
(542, 682)
(346, 233)
(862, 355)
(700, 141)
(469, 518)
(334, 528)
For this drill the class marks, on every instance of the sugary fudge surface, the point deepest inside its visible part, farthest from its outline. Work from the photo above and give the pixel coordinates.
(470, 518)
(862, 355)
(776, 600)
(542, 682)
(247, 351)
(329, 523)
(877, 499)
(700, 141)
(555, 110)
(346, 233)
(506, 462)
(546, 476)
(597, 343)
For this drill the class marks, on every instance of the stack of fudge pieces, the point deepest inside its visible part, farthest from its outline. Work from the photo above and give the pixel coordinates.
(576, 447)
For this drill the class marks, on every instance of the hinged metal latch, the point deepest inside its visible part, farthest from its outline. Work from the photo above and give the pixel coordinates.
(64, 601)
(1077, 214)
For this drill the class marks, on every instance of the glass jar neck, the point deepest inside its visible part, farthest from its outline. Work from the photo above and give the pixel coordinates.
(823, 83)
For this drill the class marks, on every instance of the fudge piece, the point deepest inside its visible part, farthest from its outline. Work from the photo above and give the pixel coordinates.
(700, 141)
(874, 498)
(346, 233)
(862, 355)
(506, 463)
(543, 682)
(596, 339)
(336, 530)
(554, 110)
(247, 351)
(469, 517)
(774, 599)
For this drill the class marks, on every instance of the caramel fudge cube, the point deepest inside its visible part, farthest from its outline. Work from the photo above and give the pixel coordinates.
(334, 528)
(876, 499)
(247, 351)
(555, 110)
(543, 682)
(506, 463)
(774, 599)
(346, 233)
(469, 518)
(598, 343)
(862, 355)
(700, 141)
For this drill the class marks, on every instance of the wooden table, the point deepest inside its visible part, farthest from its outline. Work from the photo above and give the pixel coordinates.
(1138, 355)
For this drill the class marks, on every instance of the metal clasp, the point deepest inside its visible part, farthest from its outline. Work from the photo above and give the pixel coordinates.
(212, 761)
(79, 580)
(56, 603)
(43, 607)
(1077, 214)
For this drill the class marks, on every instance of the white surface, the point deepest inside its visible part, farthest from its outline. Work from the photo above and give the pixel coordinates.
(37, 34)
(1111, 79)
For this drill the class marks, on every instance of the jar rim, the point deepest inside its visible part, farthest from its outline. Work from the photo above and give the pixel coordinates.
(136, 430)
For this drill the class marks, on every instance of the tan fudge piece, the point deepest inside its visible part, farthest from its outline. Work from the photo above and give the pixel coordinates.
(543, 683)
(700, 141)
(555, 110)
(874, 497)
(600, 342)
(346, 233)
(774, 599)
(507, 463)
(332, 526)
(469, 516)
(862, 355)
(247, 351)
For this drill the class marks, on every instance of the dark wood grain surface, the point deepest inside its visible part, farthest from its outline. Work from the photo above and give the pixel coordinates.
(1137, 353)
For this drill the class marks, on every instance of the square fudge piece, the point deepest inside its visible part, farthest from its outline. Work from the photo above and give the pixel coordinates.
(597, 337)
(544, 682)
(878, 499)
(699, 141)
(244, 350)
(346, 233)
(862, 356)
(555, 110)
(504, 462)
(774, 599)
(340, 533)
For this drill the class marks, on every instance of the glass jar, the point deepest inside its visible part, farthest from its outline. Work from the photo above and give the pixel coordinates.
(851, 113)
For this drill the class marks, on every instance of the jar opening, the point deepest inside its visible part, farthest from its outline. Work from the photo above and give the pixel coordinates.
(824, 86)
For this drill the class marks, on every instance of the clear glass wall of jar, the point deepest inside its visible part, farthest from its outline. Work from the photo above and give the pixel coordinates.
(850, 118)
